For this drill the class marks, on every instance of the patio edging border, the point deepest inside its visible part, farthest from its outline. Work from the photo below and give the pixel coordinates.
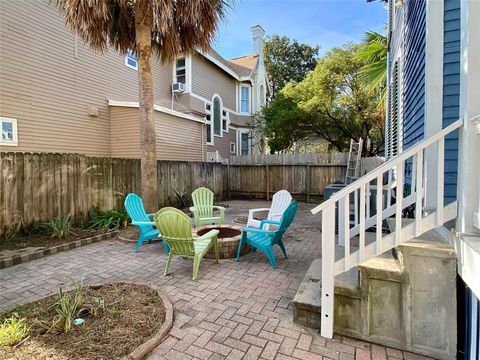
(20, 259)
(148, 346)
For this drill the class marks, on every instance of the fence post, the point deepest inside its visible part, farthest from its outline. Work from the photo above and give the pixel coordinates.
(228, 181)
(308, 182)
(267, 177)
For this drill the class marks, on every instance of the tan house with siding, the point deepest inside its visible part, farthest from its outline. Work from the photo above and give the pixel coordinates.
(58, 95)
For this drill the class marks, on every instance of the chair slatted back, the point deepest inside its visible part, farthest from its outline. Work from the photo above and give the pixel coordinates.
(203, 202)
(135, 209)
(280, 201)
(176, 230)
(286, 221)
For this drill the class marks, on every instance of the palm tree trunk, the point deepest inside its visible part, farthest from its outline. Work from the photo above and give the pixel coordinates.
(149, 186)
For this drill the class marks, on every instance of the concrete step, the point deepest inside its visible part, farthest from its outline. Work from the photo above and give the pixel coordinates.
(307, 303)
(406, 302)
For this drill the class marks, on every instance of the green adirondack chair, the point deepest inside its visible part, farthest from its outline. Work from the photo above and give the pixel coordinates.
(203, 208)
(176, 229)
(264, 240)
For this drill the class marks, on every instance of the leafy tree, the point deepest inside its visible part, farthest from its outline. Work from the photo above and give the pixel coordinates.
(161, 27)
(374, 72)
(331, 102)
(288, 60)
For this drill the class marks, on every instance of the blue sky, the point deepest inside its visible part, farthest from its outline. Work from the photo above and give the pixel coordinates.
(328, 23)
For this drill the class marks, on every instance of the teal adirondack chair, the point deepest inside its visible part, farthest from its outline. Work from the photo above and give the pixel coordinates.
(264, 240)
(203, 208)
(140, 218)
(176, 229)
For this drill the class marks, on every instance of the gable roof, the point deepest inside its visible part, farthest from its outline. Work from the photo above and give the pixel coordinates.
(240, 68)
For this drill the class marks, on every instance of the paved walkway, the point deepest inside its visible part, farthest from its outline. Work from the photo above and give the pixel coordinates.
(233, 311)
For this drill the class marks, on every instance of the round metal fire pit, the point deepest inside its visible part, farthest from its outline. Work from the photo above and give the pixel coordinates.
(228, 240)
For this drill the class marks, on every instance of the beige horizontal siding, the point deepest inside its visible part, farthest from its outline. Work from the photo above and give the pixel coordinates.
(48, 90)
(208, 79)
(176, 138)
(222, 144)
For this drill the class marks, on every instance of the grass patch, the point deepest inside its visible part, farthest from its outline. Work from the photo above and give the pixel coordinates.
(120, 317)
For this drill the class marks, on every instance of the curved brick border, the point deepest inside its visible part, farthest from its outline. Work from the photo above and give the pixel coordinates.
(20, 259)
(146, 348)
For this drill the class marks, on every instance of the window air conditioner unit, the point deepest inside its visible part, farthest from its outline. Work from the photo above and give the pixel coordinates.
(178, 87)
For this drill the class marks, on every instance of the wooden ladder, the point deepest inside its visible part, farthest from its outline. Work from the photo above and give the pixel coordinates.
(353, 164)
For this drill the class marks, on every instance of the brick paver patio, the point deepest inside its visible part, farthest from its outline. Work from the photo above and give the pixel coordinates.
(233, 311)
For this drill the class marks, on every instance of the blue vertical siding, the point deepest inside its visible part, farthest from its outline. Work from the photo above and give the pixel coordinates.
(414, 72)
(413, 78)
(451, 92)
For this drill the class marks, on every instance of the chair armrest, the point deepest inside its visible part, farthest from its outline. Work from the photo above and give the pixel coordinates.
(191, 208)
(273, 222)
(144, 223)
(258, 231)
(218, 207)
(208, 235)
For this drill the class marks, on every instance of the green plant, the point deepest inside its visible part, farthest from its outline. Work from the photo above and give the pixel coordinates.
(182, 200)
(59, 227)
(12, 331)
(67, 305)
(109, 220)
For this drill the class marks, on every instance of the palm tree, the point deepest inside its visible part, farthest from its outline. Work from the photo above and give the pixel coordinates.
(374, 55)
(163, 27)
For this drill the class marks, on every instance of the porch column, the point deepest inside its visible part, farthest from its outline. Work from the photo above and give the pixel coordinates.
(433, 95)
(468, 220)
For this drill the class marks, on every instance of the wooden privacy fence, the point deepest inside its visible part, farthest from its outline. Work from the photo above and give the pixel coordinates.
(305, 182)
(34, 188)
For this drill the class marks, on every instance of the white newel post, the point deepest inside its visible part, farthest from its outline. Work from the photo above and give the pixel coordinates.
(468, 183)
(433, 95)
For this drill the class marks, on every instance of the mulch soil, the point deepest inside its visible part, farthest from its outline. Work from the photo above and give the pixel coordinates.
(131, 314)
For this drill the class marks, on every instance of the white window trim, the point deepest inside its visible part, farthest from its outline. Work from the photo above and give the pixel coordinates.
(221, 116)
(14, 142)
(209, 122)
(234, 151)
(130, 66)
(249, 99)
(184, 67)
(239, 141)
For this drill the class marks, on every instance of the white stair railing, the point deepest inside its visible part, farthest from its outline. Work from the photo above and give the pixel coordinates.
(352, 206)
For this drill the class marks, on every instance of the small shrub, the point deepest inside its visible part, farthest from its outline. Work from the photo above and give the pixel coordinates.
(183, 200)
(59, 227)
(109, 220)
(67, 305)
(13, 331)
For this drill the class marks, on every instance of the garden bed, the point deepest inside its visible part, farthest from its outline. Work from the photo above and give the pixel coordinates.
(125, 319)
(32, 248)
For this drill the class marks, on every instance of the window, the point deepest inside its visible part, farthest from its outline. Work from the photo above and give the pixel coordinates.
(180, 71)
(244, 143)
(9, 132)
(232, 148)
(208, 122)
(217, 116)
(131, 60)
(224, 121)
(245, 100)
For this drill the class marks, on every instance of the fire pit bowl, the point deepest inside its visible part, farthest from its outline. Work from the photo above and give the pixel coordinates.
(228, 240)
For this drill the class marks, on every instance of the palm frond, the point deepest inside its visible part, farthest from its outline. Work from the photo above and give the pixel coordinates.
(178, 26)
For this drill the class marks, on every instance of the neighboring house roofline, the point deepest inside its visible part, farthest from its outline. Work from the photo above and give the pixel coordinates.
(226, 68)
(134, 104)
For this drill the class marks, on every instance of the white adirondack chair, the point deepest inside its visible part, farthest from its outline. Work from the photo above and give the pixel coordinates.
(280, 201)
